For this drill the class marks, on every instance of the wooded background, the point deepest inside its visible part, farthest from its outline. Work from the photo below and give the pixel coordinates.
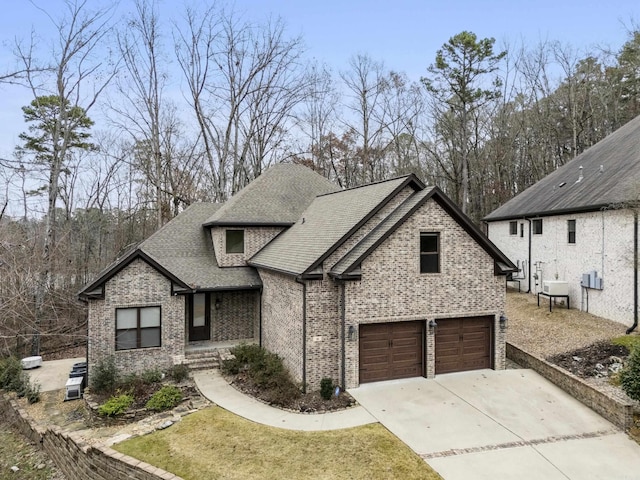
(485, 122)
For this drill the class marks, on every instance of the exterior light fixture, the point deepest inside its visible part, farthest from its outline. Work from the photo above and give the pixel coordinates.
(218, 303)
(351, 333)
(432, 324)
(503, 322)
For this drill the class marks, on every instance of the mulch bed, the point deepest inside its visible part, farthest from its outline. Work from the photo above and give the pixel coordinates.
(310, 402)
(601, 359)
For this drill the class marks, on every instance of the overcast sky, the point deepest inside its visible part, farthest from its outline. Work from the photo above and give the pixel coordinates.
(405, 34)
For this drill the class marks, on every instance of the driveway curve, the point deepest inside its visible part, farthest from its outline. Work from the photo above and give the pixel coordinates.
(490, 424)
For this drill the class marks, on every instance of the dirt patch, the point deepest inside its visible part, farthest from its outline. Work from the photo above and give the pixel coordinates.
(601, 359)
(310, 402)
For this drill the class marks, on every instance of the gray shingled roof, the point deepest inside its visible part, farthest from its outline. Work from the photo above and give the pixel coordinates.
(183, 249)
(617, 182)
(328, 220)
(379, 233)
(277, 197)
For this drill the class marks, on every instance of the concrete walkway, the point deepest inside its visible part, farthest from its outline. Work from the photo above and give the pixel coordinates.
(216, 389)
(491, 425)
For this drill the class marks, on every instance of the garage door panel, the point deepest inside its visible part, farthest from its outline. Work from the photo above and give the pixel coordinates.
(463, 344)
(391, 350)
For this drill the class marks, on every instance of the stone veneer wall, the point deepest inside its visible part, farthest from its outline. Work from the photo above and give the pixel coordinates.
(282, 319)
(392, 289)
(238, 317)
(254, 239)
(137, 285)
(74, 457)
(618, 412)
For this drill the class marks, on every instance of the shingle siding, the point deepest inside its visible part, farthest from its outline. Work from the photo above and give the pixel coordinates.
(611, 256)
(255, 238)
(282, 319)
(137, 285)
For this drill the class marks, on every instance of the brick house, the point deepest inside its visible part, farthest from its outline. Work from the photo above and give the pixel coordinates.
(388, 280)
(579, 225)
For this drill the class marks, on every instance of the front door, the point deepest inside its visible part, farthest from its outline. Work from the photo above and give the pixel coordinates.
(199, 318)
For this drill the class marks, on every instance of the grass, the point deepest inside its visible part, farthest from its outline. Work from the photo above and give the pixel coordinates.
(214, 443)
(16, 451)
(629, 341)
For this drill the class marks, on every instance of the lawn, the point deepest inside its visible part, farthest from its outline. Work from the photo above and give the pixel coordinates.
(216, 444)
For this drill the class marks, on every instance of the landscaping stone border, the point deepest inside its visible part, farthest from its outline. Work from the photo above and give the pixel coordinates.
(618, 412)
(73, 456)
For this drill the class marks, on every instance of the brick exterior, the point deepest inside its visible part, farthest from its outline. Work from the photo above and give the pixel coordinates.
(238, 316)
(604, 242)
(254, 239)
(391, 289)
(282, 319)
(137, 285)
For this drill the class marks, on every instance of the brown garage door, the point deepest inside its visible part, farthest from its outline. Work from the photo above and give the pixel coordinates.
(391, 350)
(463, 344)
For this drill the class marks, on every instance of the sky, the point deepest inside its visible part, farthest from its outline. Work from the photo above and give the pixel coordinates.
(404, 34)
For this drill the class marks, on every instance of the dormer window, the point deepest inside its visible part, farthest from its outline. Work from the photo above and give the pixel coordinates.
(235, 241)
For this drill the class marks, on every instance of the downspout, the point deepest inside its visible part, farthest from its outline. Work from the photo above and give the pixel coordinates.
(635, 273)
(260, 319)
(304, 333)
(344, 343)
(529, 280)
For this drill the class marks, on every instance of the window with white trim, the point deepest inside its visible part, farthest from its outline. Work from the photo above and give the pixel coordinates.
(138, 327)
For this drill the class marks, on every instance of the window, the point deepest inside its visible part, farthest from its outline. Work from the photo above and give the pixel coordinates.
(137, 327)
(537, 226)
(235, 241)
(522, 230)
(571, 231)
(429, 253)
(513, 228)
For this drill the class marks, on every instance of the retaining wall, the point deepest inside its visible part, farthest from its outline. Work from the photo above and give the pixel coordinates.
(73, 456)
(613, 409)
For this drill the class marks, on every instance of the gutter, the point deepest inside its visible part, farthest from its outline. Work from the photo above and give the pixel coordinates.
(635, 273)
(304, 333)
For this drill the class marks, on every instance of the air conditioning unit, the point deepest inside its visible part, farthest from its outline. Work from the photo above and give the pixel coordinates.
(73, 389)
(555, 287)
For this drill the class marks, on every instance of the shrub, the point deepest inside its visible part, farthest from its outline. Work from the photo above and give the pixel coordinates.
(326, 388)
(630, 375)
(32, 392)
(167, 397)
(116, 405)
(178, 373)
(104, 377)
(151, 376)
(11, 375)
(248, 353)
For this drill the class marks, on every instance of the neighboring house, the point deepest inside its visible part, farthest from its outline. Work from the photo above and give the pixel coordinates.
(579, 225)
(342, 284)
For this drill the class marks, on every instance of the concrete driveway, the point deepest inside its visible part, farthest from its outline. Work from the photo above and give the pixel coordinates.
(53, 374)
(500, 425)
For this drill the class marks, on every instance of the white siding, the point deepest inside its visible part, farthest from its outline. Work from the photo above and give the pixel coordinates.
(604, 242)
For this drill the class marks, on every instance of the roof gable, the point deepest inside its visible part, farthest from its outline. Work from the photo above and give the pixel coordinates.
(326, 223)
(350, 262)
(276, 197)
(607, 174)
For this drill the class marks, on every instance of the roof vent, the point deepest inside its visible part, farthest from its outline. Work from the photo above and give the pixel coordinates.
(580, 176)
(562, 184)
(601, 168)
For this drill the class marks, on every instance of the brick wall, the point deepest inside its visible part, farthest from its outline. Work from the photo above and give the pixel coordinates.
(611, 256)
(282, 319)
(254, 239)
(74, 457)
(137, 285)
(392, 289)
(238, 317)
(618, 412)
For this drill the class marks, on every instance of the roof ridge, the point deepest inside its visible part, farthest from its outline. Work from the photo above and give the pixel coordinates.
(367, 185)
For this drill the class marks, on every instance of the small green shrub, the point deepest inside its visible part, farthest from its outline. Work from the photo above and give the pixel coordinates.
(629, 341)
(116, 405)
(151, 376)
(32, 392)
(178, 373)
(630, 375)
(167, 397)
(326, 388)
(104, 376)
(248, 353)
(231, 366)
(11, 378)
